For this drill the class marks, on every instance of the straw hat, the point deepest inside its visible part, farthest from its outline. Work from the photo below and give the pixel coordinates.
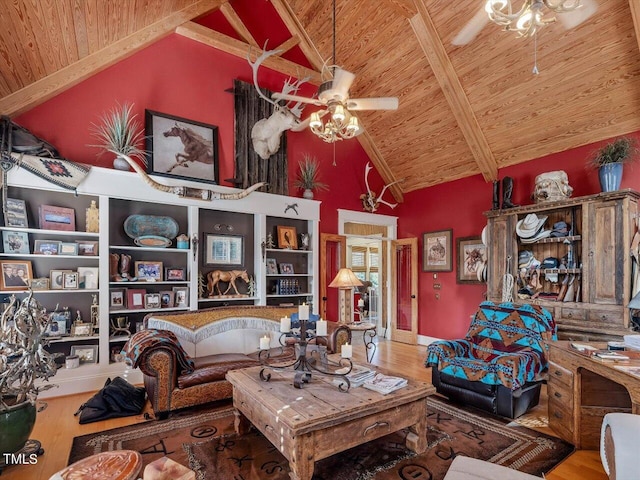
(530, 225)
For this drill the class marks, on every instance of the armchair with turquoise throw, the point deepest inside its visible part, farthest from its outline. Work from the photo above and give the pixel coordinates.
(500, 364)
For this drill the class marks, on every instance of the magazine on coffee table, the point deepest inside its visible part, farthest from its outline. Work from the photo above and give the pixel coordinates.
(385, 384)
(356, 377)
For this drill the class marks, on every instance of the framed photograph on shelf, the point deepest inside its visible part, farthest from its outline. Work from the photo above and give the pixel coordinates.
(15, 214)
(79, 329)
(170, 138)
(181, 298)
(175, 274)
(272, 266)
(117, 298)
(85, 353)
(87, 248)
(70, 280)
(16, 274)
(47, 247)
(149, 271)
(57, 327)
(437, 251)
(56, 278)
(40, 284)
(287, 237)
(472, 257)
(152, 301)
(88, 278)
(57, 218)
(286, 268)
(69, 248)
(135, 298)
(223, 249)
(15, 242)
(166, 298)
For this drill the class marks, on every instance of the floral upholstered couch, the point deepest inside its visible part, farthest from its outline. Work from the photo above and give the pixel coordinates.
(500, 363)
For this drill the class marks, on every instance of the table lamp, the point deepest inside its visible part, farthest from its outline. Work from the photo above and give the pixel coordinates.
(345, 281)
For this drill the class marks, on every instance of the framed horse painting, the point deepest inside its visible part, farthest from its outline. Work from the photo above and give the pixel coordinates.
(472, 257)
(181, 148)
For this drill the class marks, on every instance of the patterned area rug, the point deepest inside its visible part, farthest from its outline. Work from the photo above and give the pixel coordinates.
(205, 441)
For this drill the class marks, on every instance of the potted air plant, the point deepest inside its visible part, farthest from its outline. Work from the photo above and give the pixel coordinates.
(307, 179)
(23, 360)
(120, 132)
(610, 160)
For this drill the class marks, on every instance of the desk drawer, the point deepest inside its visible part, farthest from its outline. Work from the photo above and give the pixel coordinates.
(573, 313)
(560, 375)
(561, 418)
(606, 317)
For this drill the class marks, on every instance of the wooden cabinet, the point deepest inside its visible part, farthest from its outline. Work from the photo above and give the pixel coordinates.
(594, 259)
(118, 195)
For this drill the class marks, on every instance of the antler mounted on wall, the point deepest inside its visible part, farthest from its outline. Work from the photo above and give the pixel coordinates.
(371, 202)
(266, 133)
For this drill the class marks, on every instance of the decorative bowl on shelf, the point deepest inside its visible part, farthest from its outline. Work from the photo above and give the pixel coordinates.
(151, 230)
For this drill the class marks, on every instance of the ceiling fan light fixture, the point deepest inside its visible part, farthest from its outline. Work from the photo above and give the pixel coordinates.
(339, 115)
(315, 122)
(529, 17)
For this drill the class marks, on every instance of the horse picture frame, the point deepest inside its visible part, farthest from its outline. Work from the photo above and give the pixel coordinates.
(472, 255)
(181, 148)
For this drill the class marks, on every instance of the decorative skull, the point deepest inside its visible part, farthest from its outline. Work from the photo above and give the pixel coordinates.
(551, 187)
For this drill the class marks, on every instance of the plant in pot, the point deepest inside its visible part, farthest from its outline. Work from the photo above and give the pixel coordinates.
(610, 160)
(307, 179)
(120, 132)
(23, 360)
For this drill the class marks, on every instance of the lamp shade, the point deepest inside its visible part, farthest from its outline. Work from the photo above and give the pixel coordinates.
(345, 279)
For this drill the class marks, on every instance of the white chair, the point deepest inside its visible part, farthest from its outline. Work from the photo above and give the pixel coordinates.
(619, 446)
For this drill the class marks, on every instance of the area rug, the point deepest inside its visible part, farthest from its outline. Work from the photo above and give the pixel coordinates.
(205, 441)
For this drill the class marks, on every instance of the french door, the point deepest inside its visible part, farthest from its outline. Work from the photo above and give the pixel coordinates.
(333, 257)
(404, 291)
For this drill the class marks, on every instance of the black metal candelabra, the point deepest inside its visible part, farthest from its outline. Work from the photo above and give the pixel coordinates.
(304, 365)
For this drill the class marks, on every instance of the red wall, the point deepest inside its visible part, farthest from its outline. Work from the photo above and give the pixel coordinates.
(181, 77)
(459, 205)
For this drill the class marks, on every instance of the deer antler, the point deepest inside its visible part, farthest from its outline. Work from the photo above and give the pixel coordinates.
(371, 202)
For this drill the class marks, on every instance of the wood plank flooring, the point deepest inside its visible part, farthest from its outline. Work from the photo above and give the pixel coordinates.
(56, 426)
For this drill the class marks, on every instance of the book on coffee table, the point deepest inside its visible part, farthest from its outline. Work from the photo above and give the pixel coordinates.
(384, 384)
(357, 376)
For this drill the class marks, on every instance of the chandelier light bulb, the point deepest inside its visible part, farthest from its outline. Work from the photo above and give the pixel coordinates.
(315, 122)
(338, 114)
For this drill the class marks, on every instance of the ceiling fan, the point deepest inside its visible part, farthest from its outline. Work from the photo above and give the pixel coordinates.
(528, 18)
(333, 94)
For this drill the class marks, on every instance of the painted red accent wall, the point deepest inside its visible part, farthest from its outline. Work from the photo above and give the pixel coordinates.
(460, 205)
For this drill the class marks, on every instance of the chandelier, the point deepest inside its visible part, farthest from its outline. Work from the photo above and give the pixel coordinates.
(340, 125)
(530, 17)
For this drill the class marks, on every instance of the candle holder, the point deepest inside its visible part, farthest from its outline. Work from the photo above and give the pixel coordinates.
(305, 362)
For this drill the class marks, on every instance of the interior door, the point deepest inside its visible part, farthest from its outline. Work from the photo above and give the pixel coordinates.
(333, 257)
(404, 291)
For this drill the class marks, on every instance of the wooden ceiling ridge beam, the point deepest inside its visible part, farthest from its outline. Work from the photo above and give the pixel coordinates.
(237, 24)
(287, 45)
(634, 6)
(241, 49)
(65, 78)
(455, 95)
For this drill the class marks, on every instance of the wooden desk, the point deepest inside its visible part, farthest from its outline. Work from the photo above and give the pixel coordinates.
(583, 389)
(314, 422)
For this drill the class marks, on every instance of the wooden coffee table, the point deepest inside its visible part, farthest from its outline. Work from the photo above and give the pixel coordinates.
(317, 421)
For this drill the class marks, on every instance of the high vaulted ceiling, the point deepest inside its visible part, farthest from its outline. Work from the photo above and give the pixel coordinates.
(463, 110)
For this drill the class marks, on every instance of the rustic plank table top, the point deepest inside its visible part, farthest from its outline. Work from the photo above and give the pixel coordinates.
(319, 420)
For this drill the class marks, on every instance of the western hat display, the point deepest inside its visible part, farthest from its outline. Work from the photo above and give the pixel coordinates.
(560, 229)
(530, 225)
(538, 236)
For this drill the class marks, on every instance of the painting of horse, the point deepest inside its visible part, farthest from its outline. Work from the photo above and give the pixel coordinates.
(182, 148)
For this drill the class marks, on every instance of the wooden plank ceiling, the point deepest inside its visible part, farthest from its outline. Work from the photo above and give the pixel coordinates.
(464, 110)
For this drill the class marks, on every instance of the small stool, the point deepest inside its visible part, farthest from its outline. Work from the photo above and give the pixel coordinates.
(116, 465)
(466, 468)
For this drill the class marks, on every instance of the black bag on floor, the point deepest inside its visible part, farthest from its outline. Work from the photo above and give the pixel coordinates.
(118, 398)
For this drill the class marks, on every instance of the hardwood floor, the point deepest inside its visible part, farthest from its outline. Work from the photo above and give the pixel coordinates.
(56, 426)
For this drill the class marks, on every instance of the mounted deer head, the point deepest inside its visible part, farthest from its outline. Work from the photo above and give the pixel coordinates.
(371, 202)
(266, 133)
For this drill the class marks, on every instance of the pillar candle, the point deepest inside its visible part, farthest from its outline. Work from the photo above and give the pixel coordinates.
(264, 342)
(360, 303)
(285, 324)
(321, 328)
(303, 312)
(347, 351)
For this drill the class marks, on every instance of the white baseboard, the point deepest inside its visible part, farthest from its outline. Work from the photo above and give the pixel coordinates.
(425, 340)
(72, 381)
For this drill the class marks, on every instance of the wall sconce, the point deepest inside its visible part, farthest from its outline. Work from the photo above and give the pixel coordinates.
(345, 281)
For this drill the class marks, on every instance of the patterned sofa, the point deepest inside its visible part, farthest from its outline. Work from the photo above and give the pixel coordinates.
(500, 364)
(176, 378)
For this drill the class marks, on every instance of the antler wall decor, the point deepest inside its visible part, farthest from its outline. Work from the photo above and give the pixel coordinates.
(371, 201)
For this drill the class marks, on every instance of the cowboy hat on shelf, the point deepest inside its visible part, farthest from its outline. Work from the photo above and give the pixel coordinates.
(530, 225)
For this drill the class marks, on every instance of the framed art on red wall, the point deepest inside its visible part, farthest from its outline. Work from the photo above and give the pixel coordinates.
(437, 251)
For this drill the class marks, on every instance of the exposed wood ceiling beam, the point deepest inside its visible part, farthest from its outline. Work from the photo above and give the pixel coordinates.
(634, 6)
(449, 82)
(65, 78)
(235, 22)
(288, 44)
(295, 28)
(241, 49)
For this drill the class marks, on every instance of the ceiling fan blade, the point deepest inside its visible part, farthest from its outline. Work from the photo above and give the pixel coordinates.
(296, 98)
(380, 103)
(342, 80)
(472, 28)
(575, 17)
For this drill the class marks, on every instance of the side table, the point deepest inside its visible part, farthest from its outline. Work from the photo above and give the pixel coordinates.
(369, 332)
